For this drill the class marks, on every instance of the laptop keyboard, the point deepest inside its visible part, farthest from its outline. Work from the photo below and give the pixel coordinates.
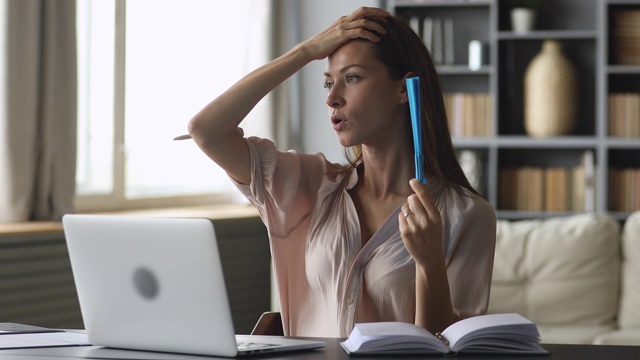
(250, 345)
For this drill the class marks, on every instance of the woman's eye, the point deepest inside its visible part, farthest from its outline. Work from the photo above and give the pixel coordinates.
(328, 85)
(351, 78)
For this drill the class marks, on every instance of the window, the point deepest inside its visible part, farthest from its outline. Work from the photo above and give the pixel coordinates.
(145, 67)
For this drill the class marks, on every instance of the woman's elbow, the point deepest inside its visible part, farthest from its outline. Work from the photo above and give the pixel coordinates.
(194, 126)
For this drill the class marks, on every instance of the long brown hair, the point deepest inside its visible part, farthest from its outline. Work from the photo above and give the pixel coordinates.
(403, 51)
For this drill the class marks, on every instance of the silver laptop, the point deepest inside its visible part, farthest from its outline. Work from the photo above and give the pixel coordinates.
(156, 284)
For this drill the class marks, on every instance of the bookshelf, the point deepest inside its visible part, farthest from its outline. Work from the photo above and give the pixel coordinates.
(600, 39)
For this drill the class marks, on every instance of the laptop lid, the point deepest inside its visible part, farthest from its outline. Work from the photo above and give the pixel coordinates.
(153, 284)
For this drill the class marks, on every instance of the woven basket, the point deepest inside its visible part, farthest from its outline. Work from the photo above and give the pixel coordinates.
(550, 93)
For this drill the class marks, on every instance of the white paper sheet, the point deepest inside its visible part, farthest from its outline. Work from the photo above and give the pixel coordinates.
(45, 339)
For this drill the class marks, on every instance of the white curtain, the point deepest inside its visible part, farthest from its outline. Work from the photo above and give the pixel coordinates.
(37, 109)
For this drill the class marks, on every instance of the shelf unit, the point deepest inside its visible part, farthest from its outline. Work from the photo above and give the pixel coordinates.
(585, 29)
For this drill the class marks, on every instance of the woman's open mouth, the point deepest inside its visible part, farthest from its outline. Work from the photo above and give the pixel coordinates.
(338, 122)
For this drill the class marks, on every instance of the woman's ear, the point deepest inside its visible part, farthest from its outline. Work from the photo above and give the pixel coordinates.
(409, 74)
(403, 94)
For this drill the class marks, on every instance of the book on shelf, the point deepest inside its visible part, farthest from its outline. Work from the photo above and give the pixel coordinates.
(427, 33)
(437, 35)
(535, 195)
(414, 23)
(449, 55)
(626, 36)
(578, 189)
(469, 114)
(588, 177)
(556, 183)
(507, 187)
(614, 189)
(553, 189)
(523, 183)
(508, 333)
(437, 42)
(624, 189)
(624, 114)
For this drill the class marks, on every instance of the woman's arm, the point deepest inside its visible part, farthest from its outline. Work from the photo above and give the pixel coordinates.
(434, 310)
(215, 127)
(421, 232)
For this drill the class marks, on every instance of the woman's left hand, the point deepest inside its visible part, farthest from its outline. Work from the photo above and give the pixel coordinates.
(421, 226)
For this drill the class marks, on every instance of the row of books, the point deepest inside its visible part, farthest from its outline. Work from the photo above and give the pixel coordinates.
(626, 37)
(531, 188)
(469, 114)
(624, 189)
(624, 114)
(437, 35)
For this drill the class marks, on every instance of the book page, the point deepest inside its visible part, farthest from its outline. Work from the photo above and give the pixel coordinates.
(391, 329)
(392, 337)
(484, 324)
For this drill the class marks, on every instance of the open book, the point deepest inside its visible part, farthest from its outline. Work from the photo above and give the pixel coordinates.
(495, 333)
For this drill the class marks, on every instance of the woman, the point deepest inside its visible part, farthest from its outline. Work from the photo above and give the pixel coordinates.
(364, 241)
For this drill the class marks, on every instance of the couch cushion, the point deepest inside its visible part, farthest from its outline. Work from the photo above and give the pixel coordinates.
(620, 337)
(630, 298)
(560, 271)
(578, 334)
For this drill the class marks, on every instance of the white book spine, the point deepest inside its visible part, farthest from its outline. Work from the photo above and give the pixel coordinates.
(427, 33)
(437, 44)
(589, 177)
(414, 23)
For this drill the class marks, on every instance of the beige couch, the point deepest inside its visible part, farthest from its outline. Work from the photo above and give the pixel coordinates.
(576, 277)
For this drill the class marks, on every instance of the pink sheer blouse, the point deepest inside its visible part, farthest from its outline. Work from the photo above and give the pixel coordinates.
(326, 281)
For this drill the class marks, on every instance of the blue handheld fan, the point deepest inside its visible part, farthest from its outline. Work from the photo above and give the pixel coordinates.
(413, 92)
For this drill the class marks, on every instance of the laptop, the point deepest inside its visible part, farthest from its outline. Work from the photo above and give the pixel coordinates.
(152, 283)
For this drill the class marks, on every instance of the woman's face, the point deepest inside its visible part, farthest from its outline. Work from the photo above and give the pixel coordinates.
(365, 104)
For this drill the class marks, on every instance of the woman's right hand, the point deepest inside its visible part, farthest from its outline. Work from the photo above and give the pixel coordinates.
(352, 26)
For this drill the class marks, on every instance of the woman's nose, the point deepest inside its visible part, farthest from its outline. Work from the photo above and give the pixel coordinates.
(334, 99)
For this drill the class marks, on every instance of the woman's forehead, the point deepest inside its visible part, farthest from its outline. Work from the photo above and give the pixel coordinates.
(355, 52)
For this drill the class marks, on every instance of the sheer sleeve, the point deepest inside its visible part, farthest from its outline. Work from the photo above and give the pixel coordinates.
(284, 185)
(470, 255)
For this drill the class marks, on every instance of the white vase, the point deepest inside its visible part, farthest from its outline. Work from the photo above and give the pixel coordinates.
(522, 20)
